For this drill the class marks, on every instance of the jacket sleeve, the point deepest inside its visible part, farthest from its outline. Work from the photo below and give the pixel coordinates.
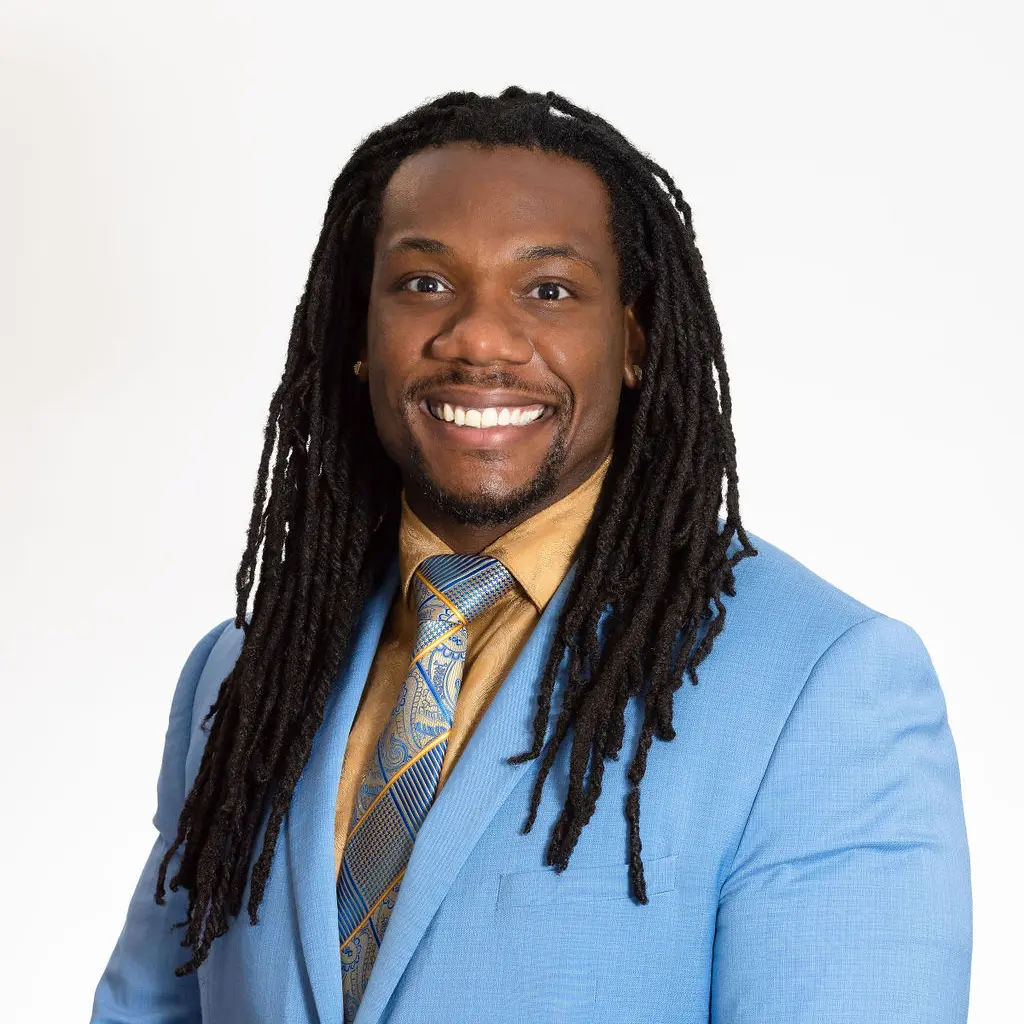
(849, 898)
(139, 984)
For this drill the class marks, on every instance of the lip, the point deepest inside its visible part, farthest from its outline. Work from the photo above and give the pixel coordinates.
(497, 436)
(482, 399)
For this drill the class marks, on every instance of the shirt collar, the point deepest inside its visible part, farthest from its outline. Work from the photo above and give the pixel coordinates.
(538, 552)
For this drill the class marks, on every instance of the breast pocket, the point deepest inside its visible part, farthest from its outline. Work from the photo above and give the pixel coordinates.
(557, 936)
(582, 885)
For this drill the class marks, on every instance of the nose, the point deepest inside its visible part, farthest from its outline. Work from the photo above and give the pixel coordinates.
(484, 329)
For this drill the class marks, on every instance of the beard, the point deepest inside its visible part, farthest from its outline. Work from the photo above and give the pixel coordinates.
(487, 509)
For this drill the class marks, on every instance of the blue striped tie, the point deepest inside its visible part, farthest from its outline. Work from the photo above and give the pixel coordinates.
(399, 785)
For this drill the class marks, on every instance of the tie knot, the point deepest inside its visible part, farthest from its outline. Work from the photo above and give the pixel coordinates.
(469, 584)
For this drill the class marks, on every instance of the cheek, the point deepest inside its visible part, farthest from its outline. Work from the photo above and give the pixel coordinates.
(601, 407)
(595, 376)
(392, 355)
(383, 335)
(385, 378)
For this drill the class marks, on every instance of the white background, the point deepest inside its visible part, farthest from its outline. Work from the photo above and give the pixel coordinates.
(855, 174)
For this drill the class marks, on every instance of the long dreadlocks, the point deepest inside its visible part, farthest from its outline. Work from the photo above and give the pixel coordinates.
(653, 552)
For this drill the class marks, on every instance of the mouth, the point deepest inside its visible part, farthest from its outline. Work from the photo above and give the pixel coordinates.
(486, 416)
(490, 424)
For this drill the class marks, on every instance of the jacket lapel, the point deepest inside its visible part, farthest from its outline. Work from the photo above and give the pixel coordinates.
(478, 785)
(309, 826)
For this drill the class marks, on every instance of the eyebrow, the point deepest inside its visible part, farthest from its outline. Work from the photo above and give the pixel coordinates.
(525, 254)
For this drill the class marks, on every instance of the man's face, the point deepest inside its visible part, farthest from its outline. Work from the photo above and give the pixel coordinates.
(495, 297)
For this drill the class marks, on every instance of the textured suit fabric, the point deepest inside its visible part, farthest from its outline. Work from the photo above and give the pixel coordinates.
(537, 552)
(803, 841)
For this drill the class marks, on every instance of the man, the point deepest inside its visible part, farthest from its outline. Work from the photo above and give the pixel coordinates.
(491, 555)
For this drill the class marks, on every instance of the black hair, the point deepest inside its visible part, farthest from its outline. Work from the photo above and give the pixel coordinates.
(655, 550)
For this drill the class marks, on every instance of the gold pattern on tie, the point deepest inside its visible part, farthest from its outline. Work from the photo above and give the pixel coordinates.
(399, 785)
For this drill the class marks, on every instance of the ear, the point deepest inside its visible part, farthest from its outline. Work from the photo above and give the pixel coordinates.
(359, 369)
(363, 373)
(634, 348)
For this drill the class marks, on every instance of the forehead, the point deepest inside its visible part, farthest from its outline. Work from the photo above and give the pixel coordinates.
(469, 194)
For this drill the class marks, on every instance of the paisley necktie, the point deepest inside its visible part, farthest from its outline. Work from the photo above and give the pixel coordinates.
(401, 780)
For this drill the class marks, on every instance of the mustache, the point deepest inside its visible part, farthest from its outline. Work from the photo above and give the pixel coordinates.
(497, 379)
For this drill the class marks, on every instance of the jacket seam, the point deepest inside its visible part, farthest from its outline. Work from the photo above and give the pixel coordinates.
(771, 757)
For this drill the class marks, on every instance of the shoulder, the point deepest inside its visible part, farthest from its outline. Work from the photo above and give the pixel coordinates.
(801, 670)
(181, 726)
(784, 613)
(200, 664)
(222, 654)
(207, 665)
(786, 625)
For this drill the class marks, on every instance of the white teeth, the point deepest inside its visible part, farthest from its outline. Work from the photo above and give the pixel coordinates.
(489, 417)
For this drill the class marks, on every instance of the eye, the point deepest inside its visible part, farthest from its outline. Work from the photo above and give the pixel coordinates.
(549, 286)
(430, 280)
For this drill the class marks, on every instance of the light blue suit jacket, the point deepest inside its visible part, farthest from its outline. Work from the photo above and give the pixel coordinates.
(803, 844)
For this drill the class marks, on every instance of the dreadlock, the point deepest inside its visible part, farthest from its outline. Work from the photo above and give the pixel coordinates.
(653, 552)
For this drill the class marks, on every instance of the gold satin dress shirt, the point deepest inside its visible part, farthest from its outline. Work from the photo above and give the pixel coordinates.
(538, 553)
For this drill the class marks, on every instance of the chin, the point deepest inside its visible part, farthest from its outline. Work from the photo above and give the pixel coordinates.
(483, 506)
(487, 488)
(488, 503)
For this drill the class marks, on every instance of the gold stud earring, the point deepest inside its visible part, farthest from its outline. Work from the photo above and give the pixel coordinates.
(356, 366)
(638, 372)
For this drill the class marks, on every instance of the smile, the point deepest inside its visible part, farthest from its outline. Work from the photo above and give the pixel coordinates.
(487, 417)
